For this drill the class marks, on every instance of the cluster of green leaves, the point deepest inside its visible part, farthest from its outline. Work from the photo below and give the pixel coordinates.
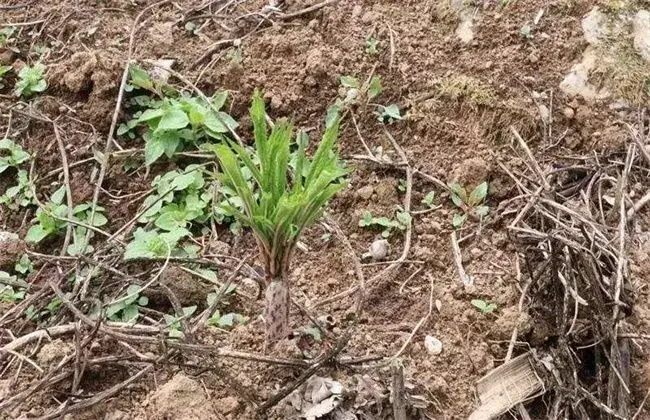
(470, 204)
(4, 70)
(227, 320)
(51, 219)
(35, 314)
(276, 208)
(12, 155)
(428, 199)
(401, 221)
(357, 93)
(484, 306)
(125, 309)
(371, 45)
(30, 80)
(181, 201)
(175, 121)
(6, 38)
(173, 323)
(13, 288)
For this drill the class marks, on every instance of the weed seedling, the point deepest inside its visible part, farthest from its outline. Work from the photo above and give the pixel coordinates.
(428, 199)
(371, 45)
(173, 324)
(483, 306)
(282, 202)
(469, 204)
(125, 309)
(30, 80)
(6, 38)
(526, 32)
(11, 155)
(402, 221)
(389, 114)
(4, 70)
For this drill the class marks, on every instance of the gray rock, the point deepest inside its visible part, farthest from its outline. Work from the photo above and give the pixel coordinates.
(365, 192)
(641, 31)
(594, 26)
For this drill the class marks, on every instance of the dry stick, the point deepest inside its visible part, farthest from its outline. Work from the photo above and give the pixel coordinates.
(306, 10)
(66, 181)
(417, 326)
(398, 394)
(615, 352)
(211, 49)
(638, 411)
(458, 260)
(531, 158)
(117, 335)
(201, 320)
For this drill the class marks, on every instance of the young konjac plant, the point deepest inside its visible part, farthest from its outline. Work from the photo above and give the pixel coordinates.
(283, 200)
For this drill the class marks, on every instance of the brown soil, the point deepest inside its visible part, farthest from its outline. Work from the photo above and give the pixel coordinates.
(459, 102)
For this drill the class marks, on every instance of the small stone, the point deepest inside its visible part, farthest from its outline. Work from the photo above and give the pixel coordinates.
(313, 24)
(11, 248)
(533, 58)
(160, 72)
(488, 65)
(544, 113)
(641, 28)
(310, 81)
(227, 405)
(365, 192)
(433, 345)
(276, 102)
(368, 17)
(379, 249)
(569, 113)
(594, 26)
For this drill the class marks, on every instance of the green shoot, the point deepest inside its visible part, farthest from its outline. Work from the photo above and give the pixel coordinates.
(484, 306)
(4, 70)
(469, 204)
(11, 155)
(371, 45)
(125, 309)
(30, 80)
(281, 203)
(428, 199)
(402, 221)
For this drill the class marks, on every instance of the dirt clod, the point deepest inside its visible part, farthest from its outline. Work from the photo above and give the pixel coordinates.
(52, 352)
(470, 172)
(181, 398)
(11, 248)
(188, 289)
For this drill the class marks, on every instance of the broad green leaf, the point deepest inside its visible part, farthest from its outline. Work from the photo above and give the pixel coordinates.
(350, 82)
(428, 199)
(478, 195)
(374, 89)
(459, 219)
(36, 233)
(391, 112)
(173, 119)
(148, 115)
(153, 149)
(404, 218)
(140, 78)
(58, 195)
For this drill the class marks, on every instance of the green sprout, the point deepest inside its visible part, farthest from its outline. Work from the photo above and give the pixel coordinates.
(469, 204)
(31, 80)
(281, 203)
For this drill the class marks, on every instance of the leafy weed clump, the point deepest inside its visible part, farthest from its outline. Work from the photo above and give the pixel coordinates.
(282, 200)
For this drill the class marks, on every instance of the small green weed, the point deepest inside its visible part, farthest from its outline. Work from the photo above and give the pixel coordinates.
(428, 199)
(174, 326)
(11, 155)
(30, 80)
(125, 309)
(469, 204)
(174, 122)
(20, 195)
(483, 306)
(7, 39)
(50, 220)
(4, 70)
(526, 32)
(401, 222)
(371, 45)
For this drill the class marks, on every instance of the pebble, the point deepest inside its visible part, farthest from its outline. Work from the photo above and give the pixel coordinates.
(379, 249)
(433, 345)
(569, 113)
(365, 192)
